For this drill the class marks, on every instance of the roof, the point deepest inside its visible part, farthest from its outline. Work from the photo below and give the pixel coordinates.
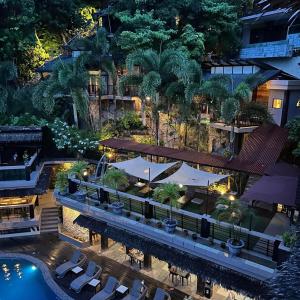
(262, 77)
(261, 150)
(274, 189)
(177, 154)
(283, 169)
(50, 65)
(18, 134)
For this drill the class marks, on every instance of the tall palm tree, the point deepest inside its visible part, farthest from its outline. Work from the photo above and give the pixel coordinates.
(99, 56)
(67, 80)
(158, 71)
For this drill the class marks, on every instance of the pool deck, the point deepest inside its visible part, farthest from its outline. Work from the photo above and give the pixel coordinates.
(52, 252)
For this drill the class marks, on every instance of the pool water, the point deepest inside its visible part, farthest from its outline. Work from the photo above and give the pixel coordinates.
(20, 279)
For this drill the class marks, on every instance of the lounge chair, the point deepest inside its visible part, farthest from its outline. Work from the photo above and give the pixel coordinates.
(137, 292)
(93, 272)
(108, 292)
(76, 260)
(161, 294)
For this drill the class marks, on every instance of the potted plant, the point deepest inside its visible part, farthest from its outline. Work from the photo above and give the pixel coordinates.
(232, 212)
(61, 182)
(289, 238)
(77, 171)
(170, 192)
(115, 178)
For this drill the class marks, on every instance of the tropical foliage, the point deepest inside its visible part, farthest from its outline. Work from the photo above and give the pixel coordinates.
(294, 134)
(71, 139)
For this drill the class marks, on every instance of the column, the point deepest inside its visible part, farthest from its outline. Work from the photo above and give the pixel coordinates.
(200, 286)
(104, 242)
(147, 261)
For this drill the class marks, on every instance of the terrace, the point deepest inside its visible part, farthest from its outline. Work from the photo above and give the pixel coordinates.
(197, 234)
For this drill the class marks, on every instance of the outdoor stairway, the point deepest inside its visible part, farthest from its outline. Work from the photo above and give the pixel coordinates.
(49, 220)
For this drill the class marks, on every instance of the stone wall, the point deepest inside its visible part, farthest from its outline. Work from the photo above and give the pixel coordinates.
(74, 230)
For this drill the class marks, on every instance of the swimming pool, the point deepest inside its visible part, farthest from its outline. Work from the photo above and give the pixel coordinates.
(21, 279)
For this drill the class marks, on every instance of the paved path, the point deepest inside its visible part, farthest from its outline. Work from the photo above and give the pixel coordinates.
(53, 252)
(278, 225)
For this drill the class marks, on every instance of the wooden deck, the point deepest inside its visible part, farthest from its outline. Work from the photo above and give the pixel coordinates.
(53, 252)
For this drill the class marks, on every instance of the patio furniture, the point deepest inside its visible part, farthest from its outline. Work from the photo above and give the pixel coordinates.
(93, 272)
(121, 291)
(137, 292)
(96, 284)
(182, 201)
(108, 292)
(76, 260)
(136, 257)
(77, 270)
(221, 206)
(100, 169)
(197, 201)
(161, 294)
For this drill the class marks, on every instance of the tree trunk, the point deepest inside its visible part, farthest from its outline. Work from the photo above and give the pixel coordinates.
(143, 112)
(157, 118)
(185, 134)
(115, 99)
(75, 115)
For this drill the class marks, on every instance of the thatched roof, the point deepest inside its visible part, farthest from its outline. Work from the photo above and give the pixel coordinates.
(19, 134)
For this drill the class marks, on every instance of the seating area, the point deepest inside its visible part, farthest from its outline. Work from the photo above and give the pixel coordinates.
(112, 288)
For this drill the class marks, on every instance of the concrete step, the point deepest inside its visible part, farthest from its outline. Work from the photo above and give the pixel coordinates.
(49, 219)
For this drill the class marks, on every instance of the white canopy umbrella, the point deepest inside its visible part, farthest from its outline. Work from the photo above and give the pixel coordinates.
(187, 175)
(142, 168)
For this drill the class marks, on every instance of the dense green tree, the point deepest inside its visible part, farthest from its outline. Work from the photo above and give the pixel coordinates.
(67, 80)
(159, 70)
(294, 134)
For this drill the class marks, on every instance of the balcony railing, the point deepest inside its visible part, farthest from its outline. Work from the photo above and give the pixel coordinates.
(20, 172)
(259, 247)
(130, 91)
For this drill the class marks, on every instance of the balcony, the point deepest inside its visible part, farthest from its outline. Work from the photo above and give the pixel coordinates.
(107, 92)
(267, 50)
(255, 261)
(20, 175)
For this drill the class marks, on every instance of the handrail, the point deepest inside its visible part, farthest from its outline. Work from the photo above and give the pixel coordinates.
(178, 210)
(23, 166)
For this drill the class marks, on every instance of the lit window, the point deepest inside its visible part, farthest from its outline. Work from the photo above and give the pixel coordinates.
(277, 103)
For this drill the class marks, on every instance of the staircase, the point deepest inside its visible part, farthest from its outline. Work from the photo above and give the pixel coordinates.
(49, 219)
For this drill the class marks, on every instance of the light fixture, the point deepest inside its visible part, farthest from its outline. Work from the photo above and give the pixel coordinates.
(85, 173)
(33, 267)
(231, 198)
(148, 98)
(180, 185)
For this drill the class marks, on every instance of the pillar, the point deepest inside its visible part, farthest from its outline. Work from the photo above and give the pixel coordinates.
(200, 286)
(147, 261)
(104, 242)
(31, 211)
(205, 228)
(148, 210)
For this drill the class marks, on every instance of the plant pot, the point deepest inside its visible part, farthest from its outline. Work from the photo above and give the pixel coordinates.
(235, 249)
(64, 191)
(170, 225)
(117, 207)
(80, 196)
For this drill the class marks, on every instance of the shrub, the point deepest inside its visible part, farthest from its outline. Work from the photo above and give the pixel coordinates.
(137, 218)
(289, 238)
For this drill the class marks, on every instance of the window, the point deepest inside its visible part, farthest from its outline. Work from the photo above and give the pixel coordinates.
(298, 103)
(277, 103)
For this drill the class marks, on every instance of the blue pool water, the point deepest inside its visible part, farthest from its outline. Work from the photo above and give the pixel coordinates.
(21, 280)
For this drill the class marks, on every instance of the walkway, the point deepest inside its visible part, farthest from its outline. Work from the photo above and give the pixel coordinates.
(278, 225)
(53, 252)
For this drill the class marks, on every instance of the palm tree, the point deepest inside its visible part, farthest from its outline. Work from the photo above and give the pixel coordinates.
(99, 56)
(67, 80)
(8, 73)
(158, 71)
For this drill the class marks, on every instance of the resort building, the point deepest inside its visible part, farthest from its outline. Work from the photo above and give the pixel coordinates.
(108, 90)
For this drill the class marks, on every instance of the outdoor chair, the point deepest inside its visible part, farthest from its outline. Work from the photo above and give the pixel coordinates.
(161, 294)
(77, 260)
(108, 292)
(137, 292)
(93, 272)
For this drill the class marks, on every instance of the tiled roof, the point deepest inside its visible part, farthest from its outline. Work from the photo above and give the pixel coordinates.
(260, 151)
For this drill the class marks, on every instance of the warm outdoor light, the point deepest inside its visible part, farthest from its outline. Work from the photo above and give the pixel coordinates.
(180, 185)
(85, 173)
(277, 103)
(148, 98)
(231, 198)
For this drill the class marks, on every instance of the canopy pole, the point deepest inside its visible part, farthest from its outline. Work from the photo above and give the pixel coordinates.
(206, 205)
(149, 184)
